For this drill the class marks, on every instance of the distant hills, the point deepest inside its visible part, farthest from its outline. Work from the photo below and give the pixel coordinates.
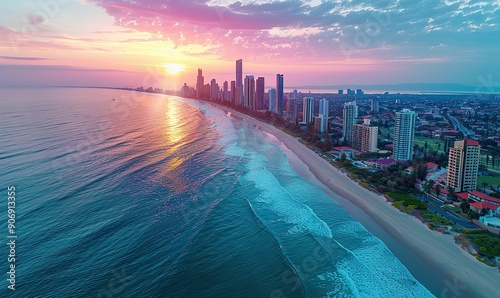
(487, 87)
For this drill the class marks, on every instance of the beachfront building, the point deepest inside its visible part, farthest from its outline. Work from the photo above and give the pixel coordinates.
(279, 94)
(365, 137)
(214, 89)
(350, 114)
(233, 92)
(249, 93)
(199, 84)
(291, 109)
(272, 100)
(239, 83)
(225, 92)
(323, 115)
(307, 109)
(259, 93)
(463, 164)
(404, 135)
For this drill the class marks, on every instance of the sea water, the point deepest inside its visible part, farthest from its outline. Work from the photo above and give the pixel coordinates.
(127, 194)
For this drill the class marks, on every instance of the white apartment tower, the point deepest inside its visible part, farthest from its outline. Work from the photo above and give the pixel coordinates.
(404, 135)
(350, 116)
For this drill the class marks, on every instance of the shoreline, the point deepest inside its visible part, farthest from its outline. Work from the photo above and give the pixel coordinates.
(431, 257)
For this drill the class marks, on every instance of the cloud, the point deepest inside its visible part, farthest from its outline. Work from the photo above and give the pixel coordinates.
(22, 58)
(57, 68)
(282, 29)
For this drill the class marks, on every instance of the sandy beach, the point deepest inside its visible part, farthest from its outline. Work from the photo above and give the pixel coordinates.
(433, 258)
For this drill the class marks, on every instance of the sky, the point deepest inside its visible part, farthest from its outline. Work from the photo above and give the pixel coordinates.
(159, 43)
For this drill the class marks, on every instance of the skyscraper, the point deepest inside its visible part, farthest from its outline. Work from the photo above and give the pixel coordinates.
(323, 114)
(279, 94)
(214, 89)
(233, 92)
(350, 114)
(463, 164)
(272, 100)
(374, 106)
(199, 84)
(239, 83)
(249, 93)
(404, 135)
(365, 137)
(307, 109)
(259, 93)
(291, 109)
(225, 93)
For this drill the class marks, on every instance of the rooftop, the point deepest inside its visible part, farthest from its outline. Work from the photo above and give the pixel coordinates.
(484, 205)
(484, 196)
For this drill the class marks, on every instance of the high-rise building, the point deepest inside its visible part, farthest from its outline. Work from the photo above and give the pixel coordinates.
(199, 84)
(404, 135)
(239, 82)
(359, 92)
(463, 165)
(249, 93)
(341, 91)
(233, 92)
(214, 89)
(279, 94)
(291, 109)
(350, 114)
(307, 109)
(365, 137)
(259, 93)
(374, 106)
(323, 115)
(272, 100)
(225, 94)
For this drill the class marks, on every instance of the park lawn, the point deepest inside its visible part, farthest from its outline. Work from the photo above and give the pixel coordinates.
(383, 132)
(454, 209)
(488, 179)
(432, 144)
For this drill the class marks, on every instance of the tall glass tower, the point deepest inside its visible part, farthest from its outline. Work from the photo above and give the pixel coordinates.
(279, 94)
(404, 135)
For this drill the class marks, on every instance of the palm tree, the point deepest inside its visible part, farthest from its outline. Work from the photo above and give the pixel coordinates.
(428, 186)
(438, 191)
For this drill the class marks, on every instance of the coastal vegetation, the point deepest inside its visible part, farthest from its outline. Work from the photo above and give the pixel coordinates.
(392, 181)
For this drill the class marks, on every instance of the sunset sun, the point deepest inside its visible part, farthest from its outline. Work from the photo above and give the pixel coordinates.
(175, 68)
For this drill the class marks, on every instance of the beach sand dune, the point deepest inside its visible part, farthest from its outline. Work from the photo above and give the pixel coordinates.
(433, 258)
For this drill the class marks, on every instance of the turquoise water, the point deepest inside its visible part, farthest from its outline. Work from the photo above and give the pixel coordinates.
(158, 196)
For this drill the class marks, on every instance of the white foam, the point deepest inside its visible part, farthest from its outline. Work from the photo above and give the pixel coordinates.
(277, 199)
(375, 272)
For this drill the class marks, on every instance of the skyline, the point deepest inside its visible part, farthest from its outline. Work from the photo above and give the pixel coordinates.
(115, 43)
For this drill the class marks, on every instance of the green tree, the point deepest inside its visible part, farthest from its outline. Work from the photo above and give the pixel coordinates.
(422, 171)
(465, 207)
(428, 186)
(451, 196)
(438, 190)
(327, 146)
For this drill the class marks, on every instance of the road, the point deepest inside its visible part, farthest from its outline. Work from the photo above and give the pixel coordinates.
(436, 207)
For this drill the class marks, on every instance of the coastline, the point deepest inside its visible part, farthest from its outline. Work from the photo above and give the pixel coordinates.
(432, 258)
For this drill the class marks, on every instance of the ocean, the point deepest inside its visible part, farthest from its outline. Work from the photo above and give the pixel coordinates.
(125, 194)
